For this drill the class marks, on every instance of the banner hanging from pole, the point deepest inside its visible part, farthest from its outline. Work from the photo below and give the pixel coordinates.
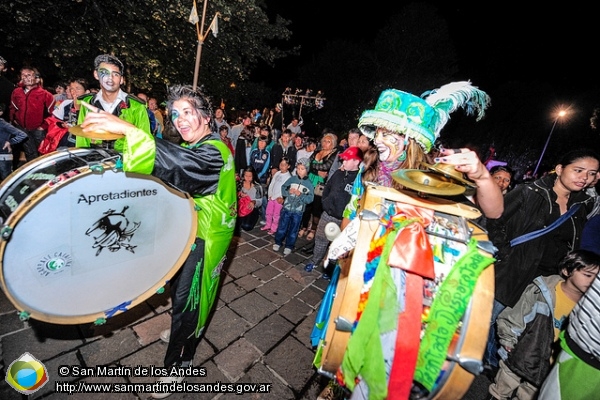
(194, 15)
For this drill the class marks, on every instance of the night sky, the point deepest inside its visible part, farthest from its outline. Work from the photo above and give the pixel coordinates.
(495, 43)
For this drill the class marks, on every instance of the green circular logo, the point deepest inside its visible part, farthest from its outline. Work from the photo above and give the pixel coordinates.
(56, 264)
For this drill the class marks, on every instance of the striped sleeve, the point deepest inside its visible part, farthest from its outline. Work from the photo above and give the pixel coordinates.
(584, 321)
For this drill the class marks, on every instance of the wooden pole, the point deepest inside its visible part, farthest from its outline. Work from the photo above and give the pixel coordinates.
(200, 43)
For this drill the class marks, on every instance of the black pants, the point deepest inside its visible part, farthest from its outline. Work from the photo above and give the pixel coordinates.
(183, 342)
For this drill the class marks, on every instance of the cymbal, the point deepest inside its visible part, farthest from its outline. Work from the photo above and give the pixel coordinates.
(77, 131)
(427, 182)
(450, 172)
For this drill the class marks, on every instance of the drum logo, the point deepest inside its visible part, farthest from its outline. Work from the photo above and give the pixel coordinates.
(114, 231)
(54, 264)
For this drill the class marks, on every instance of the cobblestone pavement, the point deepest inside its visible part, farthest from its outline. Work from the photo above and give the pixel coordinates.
(258, 334)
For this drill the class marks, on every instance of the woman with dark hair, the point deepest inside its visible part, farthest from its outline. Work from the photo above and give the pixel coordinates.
(529, 208)
(503, 176)
(203, 167)
(250, 198)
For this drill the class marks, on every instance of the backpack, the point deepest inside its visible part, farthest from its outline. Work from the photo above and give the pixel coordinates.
(56, 130)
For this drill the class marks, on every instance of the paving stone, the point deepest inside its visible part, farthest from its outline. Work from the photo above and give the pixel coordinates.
(149, 330)
(10, 322)
(240, 251)
(249, 282)
(232, 291)
(294, 257)
(41, 344)
(280, 290)
(213, 376)
(294, 311)
(259, 374)
(111, 348)
(296, 373)
(70, 360)
(243, 266)
(147, 357)
(269, 332)
(311, 296)
(237, 358)
(263, 256)
(225, 327)
(253, 307)
(281, 264)
(160, 302)
(267, 273)
(105, 396)
(5, 305)
(300, 276)
(304, 329)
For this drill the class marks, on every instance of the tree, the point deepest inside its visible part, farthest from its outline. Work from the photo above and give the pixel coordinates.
(153, 38)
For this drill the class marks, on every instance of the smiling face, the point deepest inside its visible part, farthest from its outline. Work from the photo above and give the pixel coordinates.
(109, 76)
(576, 176)
(190, 124)
(502, 179)
(390, 145)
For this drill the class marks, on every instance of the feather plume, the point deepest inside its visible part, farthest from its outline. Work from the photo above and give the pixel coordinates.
(455, 95)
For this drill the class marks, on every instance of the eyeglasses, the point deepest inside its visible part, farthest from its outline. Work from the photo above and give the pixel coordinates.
(114, 74)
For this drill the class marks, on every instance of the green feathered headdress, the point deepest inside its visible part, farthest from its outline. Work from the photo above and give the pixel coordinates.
(422, 118)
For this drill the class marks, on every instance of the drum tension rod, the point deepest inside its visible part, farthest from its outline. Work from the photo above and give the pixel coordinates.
(471, 365)
(342, 324)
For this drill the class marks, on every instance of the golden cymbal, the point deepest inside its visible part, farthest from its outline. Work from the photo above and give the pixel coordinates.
(77, 131)
(449, 171)
(428, 182)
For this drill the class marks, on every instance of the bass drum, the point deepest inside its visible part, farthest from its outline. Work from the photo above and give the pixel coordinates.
(464, 355)
(83, 241)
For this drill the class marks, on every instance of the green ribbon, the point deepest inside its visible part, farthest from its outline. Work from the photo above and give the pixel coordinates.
(447, 309)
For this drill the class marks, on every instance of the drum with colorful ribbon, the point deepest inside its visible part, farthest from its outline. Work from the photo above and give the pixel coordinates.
(82, 241)
(411, 309)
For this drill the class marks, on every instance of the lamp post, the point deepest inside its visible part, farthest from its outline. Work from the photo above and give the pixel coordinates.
(560, 114)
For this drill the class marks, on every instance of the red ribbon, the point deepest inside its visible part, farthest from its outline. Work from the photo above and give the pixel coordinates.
(411, 252)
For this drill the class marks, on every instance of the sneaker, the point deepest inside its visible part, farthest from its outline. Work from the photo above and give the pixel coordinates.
(309, 267)
(326, 277)
(287, 252)
(272, 233)
(276, 247)
(165, 335)
(166, 380)
(263, 223)
(265, 228)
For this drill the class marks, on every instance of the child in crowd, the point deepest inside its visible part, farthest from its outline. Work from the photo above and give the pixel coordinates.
(275, 196)
(250, 197)
(298, 191)
(224, 132)
(529, 331)
(260, 159)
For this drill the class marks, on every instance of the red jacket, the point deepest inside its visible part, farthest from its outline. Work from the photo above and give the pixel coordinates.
(30, 109)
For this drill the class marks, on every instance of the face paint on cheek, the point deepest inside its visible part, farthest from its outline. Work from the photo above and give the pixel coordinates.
(174, 115)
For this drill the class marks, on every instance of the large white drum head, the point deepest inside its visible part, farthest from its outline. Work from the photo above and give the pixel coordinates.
(94, 245)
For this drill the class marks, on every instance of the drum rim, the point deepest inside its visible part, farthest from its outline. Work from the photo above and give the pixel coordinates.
(38, 196)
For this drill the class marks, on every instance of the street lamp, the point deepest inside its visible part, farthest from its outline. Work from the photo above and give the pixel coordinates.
(560, 114)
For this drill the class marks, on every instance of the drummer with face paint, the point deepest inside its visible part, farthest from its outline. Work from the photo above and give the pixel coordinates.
(108, 70)
(203, 167)
(404, 129)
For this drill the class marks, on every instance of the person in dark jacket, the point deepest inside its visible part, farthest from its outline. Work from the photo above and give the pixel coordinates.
(529, 330)
(336, 195)
(530, 207)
